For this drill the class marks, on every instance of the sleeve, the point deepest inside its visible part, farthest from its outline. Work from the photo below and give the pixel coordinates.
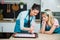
(21, 17)
(56, 23)
(18, 18)
(33, 22)
(21, 22)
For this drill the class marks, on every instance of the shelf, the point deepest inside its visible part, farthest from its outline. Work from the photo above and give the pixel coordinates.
(7, 21)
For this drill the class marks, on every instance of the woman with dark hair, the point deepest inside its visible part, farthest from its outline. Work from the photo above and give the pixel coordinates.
(26, 19)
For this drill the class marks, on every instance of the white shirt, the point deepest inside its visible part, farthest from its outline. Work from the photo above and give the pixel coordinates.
(56, 22)
(22, 15)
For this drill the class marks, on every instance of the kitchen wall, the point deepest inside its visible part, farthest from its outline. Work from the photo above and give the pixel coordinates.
(10, 28)
(28, 2)
(54, 5)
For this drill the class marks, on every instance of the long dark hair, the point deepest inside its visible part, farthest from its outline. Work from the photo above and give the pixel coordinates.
(29, 19)
(36, 6)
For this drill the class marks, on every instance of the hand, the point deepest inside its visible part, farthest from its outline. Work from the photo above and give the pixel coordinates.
(43, 22)
(42, 31)
(31, 30)
(48, 32)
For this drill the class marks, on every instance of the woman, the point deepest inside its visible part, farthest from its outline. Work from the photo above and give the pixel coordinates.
(49, 23)
(26, 20)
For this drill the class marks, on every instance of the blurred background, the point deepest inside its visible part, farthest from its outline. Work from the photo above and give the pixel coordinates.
(10, 9)
(53, 5)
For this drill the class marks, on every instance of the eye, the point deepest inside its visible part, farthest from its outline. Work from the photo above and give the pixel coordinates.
(45, 17)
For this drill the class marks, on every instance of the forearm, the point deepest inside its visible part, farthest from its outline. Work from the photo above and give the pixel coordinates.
(43, 28)
(51, 30)
(48, 32)
(26, 29)
(30, 30)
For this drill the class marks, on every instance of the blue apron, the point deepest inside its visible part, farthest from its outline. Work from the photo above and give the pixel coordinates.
(57, 30)
(17, 26)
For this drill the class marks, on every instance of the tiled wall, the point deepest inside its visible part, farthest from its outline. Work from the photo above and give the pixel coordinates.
(53, 5)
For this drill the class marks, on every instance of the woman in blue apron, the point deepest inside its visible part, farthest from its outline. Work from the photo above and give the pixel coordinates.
(26, 20)
(50, 24)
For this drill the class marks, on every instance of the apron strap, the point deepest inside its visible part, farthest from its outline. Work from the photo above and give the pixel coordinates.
(28, 18)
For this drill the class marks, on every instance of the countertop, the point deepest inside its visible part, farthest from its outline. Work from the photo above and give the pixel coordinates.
(7, 21)
(40, 37)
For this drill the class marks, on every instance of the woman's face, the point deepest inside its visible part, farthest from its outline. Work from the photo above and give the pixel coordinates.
(44, 17)
(34, 12)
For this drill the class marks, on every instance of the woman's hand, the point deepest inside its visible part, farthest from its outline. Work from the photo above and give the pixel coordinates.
(51, 30)
(43, 22)
(42, 31)
(48, 32)
(31, 30)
